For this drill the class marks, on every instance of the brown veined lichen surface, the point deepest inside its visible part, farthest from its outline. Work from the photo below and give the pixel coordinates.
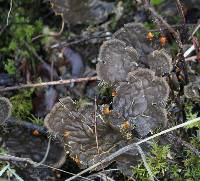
(138, 105)
(76, 126)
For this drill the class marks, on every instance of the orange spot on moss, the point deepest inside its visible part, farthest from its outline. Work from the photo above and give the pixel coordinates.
(114, 93)
(35, 133)
(106, 110)
(125, 125)
(163, 40)
(77, 160)
(150, 36)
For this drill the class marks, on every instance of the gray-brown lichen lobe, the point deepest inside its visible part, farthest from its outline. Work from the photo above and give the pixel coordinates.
(5, 109)
(160, 62)
(137, 98)
(115, 61)
(79, 11)
(192, 91)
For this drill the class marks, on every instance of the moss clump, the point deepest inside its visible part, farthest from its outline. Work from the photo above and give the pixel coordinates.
(22, 104)
(157, 162)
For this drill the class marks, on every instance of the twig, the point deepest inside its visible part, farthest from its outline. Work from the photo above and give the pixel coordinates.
(8, 16)
(177, 27)
(107, 34)
(192, 58)
(180, 9)
(133, 145)
(10, 158)
(59, 82)
(188, 51)
(195, 30)
(64, 44)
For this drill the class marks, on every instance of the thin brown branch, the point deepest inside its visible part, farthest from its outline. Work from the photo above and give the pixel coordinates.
(180, 9)
(11, 158)
(192, 58)
(80, 40)
(59, 82)
(84, 39)
(14, 159)
(176, 27)
(195, 30)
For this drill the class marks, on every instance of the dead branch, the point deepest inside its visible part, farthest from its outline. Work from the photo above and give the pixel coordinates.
(180, 9)
(195, 30)
(14, 159)
(59, 82)
(11, 158)
(80, 40)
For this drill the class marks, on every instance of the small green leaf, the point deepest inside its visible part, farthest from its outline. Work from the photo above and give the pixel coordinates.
(156, 2)
(12, 45)
(10, 66)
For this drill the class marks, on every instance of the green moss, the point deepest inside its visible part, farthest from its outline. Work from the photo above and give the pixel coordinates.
(9, 66)
(157, 2)
(157, 162)
(192, 162)
(20, 31)
(186, 167)
(22, 104)
(113, 23)
(174, 49)
(190, 114)
(35, 120)
(149, 25)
